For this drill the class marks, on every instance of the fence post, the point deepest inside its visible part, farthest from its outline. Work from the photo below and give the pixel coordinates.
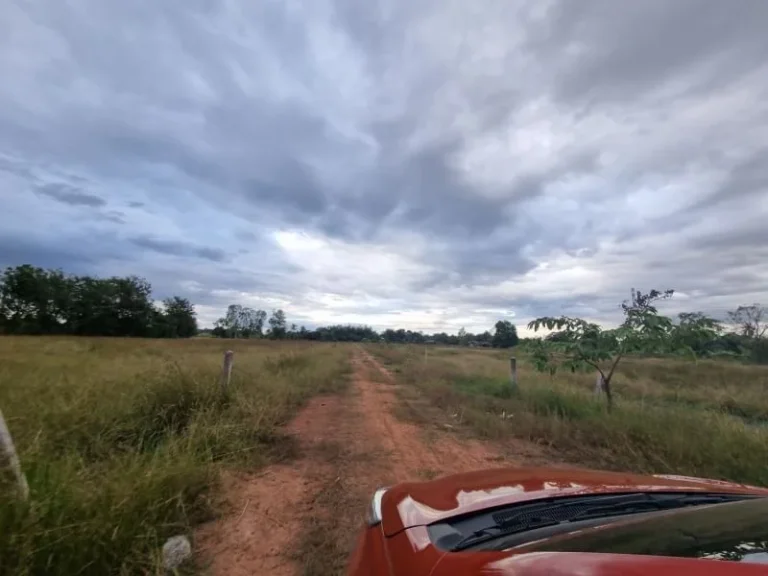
(8, 457)
(226, 370)
(513, 372)
(599, 384)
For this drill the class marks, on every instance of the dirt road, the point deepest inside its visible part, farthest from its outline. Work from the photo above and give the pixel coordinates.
(301, 518)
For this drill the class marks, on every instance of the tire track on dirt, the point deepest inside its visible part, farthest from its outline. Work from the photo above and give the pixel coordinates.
(350, 445)
(411, 454)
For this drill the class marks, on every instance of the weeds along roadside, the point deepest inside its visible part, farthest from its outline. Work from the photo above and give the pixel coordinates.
(122, 440)
(665, 421)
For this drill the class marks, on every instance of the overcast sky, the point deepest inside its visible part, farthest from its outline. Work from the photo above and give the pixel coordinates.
(426, 164)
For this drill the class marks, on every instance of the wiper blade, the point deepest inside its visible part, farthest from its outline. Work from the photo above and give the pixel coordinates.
(541, 515)
(652, 504)
(493, 532)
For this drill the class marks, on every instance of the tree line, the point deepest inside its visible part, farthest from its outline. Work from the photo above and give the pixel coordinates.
(44, 301)
(244, 322)
(39, 301)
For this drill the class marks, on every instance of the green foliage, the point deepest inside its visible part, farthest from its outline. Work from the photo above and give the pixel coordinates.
(694, 333)
(345, 333)
(484, 385)
(179, 318)
(240, 322)
(759, 351)
(277, 325)
(505, 335)
(585, 345)
(38, 301)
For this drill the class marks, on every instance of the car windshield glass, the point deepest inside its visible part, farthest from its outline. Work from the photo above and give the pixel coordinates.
(736, 531)
(544, 519)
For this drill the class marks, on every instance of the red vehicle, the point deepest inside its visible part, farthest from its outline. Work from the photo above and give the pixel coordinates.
(564, 522)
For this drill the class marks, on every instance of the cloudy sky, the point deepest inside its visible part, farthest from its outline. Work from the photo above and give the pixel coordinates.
(428, 164)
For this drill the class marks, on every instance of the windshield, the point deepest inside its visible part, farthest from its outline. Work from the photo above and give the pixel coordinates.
(736, 531)
(546, 521)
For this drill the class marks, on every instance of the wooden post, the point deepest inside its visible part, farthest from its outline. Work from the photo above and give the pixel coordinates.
(8, 457)
(226, 370)
(513, 372)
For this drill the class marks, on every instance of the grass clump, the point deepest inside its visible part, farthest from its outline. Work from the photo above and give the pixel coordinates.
(122, 441)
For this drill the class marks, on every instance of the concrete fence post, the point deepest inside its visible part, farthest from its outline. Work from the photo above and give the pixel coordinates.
(513, 372)
(226, 370)
(599, 384)
(9, 458)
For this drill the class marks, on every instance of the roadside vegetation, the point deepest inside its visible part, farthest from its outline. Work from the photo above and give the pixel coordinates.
(122, 441)
(669, 416)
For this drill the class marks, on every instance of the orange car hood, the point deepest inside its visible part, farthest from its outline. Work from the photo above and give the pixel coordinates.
(419, 503)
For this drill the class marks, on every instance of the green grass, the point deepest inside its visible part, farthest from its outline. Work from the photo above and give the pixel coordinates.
(122, 441)
(670, 416)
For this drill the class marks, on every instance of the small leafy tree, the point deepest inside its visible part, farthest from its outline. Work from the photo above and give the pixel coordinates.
(585, 345)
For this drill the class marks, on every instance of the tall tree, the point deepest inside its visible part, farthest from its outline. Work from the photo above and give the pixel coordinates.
(505, 335)
(34, 300)
(38, 301)
(752, 320)
(277, 325)
(180, 317)
(695, 333)
(240, 322)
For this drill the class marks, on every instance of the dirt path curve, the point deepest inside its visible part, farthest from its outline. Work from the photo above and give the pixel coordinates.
(350, 445)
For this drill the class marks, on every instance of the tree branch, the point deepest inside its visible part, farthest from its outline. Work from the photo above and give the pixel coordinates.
(593, 364)
(615, 363)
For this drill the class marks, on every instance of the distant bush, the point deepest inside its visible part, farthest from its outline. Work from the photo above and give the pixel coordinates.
(759, 351)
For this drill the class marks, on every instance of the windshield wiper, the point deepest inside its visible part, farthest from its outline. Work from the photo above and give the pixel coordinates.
(656, 502)
(493, 532)
(540, 515)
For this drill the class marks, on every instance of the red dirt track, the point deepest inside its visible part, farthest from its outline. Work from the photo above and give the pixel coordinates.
(268, 510)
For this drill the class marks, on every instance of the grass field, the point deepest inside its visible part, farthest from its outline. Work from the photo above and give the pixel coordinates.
(122, 440)
(676, 417)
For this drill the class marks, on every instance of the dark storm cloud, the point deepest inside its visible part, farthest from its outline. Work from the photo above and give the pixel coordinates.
(746, 183)
(71, 254)
(16, 251)
(507, 155)
(179, 248)
(69, 195)
(622, 50)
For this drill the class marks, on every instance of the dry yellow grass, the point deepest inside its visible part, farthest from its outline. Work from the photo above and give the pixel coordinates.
(122, 440)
